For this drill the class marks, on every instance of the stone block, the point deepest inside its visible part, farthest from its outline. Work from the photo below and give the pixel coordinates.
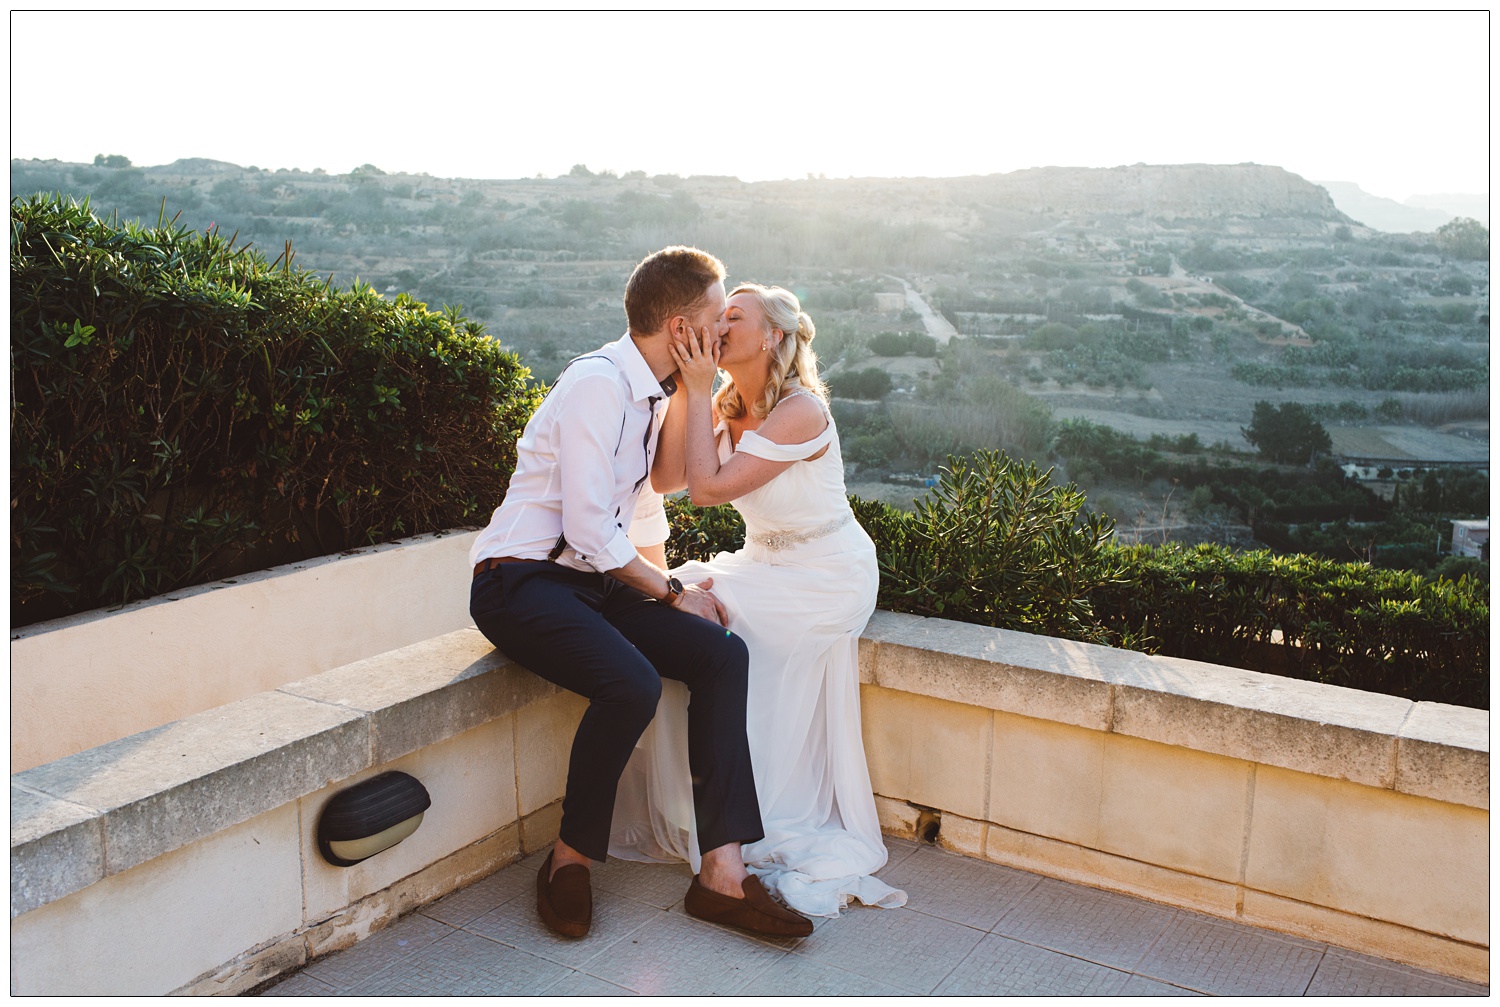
(927, 751)
(426, 692)
(170, 786)
(458, 870)
(1174, 808)
(56, 848)
(1444, 753)
(544, 740)
(249, 970)
(539, 829)
(897, 818)
(471, 779)
(168, 922)
(962, 835)
(1407, 860)
(1047, 779)
(1326, 730)
(1097, 869)
(1372, 937)
(1034, 676)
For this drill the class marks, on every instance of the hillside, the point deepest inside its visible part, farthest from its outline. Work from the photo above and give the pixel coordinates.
(1162, 300)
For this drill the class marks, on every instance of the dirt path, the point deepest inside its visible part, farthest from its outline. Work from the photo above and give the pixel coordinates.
(937, 326)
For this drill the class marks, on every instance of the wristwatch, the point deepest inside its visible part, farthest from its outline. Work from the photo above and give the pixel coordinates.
(674, 592)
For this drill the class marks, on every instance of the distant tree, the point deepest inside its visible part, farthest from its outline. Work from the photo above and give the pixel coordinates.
(1288, 433)
(1464, 238)
(1456, 283)
(580, 171)
(364, 169)
(111, 161)
(1389, 411)
(870, 383)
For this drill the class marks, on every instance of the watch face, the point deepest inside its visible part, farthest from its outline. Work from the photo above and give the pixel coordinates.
(674, 585)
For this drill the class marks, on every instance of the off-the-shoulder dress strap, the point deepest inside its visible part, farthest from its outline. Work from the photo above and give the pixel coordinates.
(752, 443)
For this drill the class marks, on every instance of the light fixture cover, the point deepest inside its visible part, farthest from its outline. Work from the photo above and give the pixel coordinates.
(370, 817)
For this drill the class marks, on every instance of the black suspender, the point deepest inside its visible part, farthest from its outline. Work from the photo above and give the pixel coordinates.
(667, 389)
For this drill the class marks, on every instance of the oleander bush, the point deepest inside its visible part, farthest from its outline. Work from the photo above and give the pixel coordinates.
(183, 410)
(996, 542)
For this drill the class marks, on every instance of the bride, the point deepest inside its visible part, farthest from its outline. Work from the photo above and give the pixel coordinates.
(799, 593)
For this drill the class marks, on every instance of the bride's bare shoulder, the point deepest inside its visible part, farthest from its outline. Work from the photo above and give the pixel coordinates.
(795, 419)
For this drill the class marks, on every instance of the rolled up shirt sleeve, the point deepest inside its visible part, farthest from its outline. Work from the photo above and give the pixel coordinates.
(588, 427)
(649, 526)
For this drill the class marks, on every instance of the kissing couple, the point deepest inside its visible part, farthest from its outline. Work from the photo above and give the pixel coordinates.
(723, 720)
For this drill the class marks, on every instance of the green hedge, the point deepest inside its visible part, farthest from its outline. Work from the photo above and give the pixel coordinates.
(1389, 631)
(183, 410)
(997, 544)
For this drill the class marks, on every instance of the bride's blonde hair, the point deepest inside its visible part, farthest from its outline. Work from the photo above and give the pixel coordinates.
(792, 360)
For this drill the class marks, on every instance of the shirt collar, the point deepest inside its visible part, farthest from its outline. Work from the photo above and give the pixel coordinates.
(643, 384)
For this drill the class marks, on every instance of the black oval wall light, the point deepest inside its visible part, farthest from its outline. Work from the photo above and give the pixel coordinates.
(370, 817)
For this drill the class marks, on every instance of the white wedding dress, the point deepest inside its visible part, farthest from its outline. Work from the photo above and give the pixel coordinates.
(799, 593)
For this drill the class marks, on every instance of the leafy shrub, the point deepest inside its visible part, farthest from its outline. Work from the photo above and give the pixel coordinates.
(701, 533)
(997, 543)
(182, 411)
(899, 344)
(1387, 631)
(870, 383)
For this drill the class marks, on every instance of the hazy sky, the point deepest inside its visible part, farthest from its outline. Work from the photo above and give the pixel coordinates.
(1398, 103)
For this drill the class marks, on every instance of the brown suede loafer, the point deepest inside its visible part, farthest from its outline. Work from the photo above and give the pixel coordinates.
(565, 902)
(757, 912)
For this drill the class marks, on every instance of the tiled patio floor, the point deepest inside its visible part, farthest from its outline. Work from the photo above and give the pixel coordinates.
(969, 928)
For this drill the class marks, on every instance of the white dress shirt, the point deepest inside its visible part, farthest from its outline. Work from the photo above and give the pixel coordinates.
(581, 464)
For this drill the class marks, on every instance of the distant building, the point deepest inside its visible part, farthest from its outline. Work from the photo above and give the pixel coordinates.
(1472, 538)
(890, 302)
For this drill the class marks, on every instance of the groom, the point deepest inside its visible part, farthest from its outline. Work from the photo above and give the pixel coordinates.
(559, 588)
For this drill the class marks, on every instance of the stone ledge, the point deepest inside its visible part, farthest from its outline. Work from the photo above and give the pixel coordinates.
(1423, 749)
(81, 818)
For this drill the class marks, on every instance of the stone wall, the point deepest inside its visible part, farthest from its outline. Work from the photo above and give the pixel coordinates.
(181, 858)
(88, 679)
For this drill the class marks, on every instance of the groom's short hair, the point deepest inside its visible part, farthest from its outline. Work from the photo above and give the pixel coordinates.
(670, 282)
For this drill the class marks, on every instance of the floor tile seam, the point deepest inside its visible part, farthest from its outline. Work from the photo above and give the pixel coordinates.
(1124, 974)
(1401, 969)
(529, 954)
(535, 953)
(1036, 879)
(1303, 942)
(465, 923)
(1129, 970)
(846, 971)
(395, 958)
(933, 915)
(1311, 976)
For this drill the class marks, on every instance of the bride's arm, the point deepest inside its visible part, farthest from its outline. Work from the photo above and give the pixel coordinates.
(793, 421)
(669, 470)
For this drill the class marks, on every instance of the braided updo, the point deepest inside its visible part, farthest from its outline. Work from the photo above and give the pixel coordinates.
(792, 360)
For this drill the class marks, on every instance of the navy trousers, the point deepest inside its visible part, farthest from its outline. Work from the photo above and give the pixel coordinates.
(609, 643)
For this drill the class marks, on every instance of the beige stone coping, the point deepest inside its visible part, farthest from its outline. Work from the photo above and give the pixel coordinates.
(1427, 749)
(81, 818)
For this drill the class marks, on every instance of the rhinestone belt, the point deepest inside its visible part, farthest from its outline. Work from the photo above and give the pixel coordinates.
(779, 540)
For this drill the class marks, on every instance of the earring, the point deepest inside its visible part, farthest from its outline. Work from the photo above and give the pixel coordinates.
(764, 347)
